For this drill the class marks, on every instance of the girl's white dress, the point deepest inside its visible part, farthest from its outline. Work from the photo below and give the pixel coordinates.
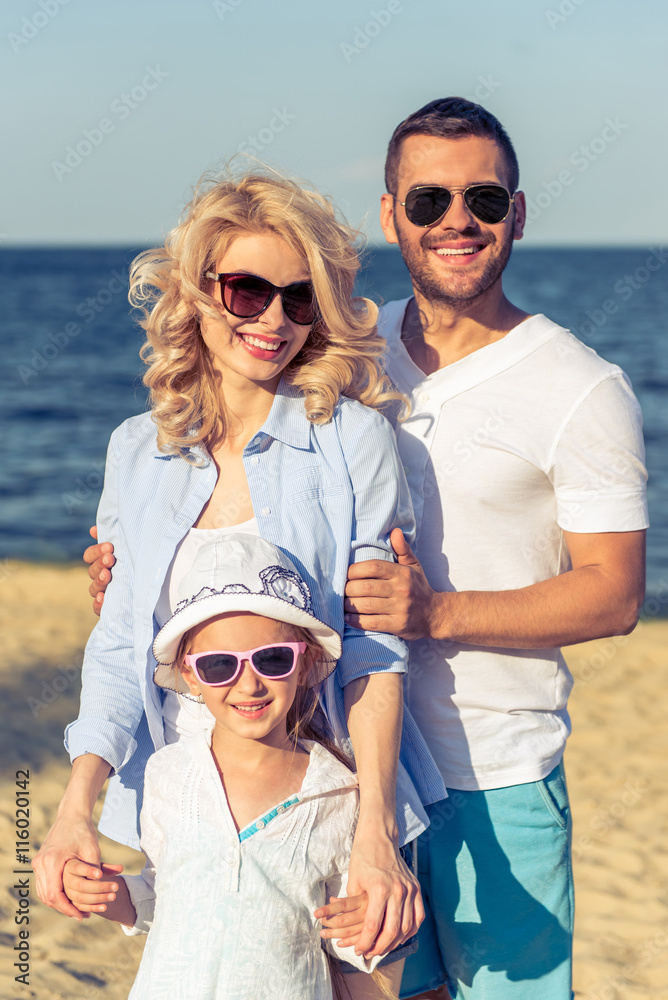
(230, 913)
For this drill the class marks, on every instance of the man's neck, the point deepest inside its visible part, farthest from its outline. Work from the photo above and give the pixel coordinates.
(436, 335)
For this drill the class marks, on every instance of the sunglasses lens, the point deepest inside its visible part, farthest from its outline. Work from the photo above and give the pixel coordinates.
(425, 206)
(216, 668)
(275, 661)
(298, 303)
(246, 295)
(488, 203)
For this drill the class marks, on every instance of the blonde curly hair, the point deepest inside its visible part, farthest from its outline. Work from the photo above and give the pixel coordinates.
(168, 285)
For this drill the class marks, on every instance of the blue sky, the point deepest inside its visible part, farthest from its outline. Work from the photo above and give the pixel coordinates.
(155, 93)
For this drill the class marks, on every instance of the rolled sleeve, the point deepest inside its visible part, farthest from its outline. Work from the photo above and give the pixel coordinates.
(381, 503)
(142, 896)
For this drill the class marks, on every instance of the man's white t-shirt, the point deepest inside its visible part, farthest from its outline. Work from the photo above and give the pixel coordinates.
(504, 450)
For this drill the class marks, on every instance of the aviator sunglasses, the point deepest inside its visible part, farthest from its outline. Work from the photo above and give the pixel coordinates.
(427, 204)
(216, 668)
(247, 296)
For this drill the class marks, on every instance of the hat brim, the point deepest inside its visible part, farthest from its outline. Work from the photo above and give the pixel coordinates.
(166, 643)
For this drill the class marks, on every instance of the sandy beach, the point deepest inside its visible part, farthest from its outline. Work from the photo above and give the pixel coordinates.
(616, 767)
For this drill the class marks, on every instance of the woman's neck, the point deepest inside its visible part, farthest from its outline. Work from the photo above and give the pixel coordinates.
(246, 405)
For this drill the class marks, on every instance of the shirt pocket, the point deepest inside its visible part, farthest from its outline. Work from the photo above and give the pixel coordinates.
(307, 487)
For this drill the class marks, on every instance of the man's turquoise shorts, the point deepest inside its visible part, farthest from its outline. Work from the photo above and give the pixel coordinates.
(495, 871)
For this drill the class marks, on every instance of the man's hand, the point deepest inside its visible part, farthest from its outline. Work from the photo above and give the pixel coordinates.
(100, 559)
(394, 910)
(391, 597)
(69, 837)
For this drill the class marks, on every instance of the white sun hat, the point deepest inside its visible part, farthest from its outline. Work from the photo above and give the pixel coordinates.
(242, 573)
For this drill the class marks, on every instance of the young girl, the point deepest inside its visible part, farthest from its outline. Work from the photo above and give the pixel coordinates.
(247, 828)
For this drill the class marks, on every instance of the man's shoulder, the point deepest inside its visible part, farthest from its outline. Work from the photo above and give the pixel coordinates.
(567, 358)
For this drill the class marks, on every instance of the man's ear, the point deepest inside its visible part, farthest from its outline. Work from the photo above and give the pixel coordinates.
(520, 215)
(387, 218)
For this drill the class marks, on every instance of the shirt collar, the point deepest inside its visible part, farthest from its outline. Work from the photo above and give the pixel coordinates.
(286, 423)
(287, 418)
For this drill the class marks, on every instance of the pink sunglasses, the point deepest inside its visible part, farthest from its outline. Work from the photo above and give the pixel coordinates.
(216, 668)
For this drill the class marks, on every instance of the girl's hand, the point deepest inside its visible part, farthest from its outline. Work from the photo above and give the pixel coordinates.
(343, 918)
(85, 885)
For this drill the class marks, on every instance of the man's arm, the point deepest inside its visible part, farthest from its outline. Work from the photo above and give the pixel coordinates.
(100, 558)
(600, 596)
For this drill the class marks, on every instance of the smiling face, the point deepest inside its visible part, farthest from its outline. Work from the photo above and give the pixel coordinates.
(258, 349)
(252, 707)
(458, 259)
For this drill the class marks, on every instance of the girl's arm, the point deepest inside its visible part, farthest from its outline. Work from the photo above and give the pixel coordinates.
(109, 899)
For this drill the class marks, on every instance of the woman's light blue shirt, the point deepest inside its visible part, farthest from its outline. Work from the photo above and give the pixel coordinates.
(327, 495)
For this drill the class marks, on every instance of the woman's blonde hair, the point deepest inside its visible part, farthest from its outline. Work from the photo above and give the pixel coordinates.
(340, 356)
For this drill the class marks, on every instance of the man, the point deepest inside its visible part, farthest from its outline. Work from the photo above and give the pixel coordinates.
(525, 460)
(524, 456)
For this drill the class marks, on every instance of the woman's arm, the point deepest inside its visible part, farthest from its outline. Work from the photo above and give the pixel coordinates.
(370, 671)
(102, 738)
(72, 835)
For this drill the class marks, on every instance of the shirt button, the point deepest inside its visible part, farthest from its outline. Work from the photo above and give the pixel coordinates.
(424, 397)
(266, 511)
(280, 809)
(230, 862)
(260, 824)
(255, 459)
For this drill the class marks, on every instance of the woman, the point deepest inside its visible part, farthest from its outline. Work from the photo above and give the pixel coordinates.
(253, 339)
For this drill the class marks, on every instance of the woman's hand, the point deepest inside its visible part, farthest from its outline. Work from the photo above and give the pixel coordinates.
(84, 887)
(394, 910)
(100, 559)
(70, 837)
(73, 834)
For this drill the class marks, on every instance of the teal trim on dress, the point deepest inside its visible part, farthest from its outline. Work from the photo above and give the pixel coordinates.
(260, 824)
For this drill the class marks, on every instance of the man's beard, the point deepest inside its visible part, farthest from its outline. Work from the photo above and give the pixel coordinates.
(435, 291)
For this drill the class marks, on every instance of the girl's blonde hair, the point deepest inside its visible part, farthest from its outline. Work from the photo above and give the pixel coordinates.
(340, 356)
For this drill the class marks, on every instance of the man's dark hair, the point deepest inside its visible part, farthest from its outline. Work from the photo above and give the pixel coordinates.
(450, 118)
